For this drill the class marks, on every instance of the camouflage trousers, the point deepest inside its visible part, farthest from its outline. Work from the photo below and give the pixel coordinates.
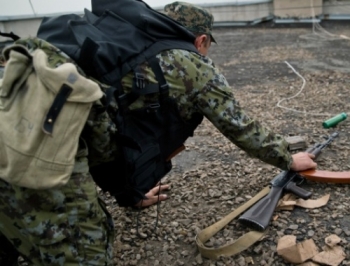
(64, 226)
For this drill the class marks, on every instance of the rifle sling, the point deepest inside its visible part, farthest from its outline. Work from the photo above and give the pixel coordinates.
(251, 237)
(238, 245)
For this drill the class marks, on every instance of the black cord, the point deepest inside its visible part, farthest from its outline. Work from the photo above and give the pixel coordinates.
(140, 210)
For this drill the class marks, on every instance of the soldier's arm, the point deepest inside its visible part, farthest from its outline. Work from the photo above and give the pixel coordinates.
(198, 86)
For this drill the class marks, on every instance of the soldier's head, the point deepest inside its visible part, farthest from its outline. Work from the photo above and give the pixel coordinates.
(196, 19)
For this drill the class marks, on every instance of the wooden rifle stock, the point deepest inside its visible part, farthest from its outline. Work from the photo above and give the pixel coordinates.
(326, 176)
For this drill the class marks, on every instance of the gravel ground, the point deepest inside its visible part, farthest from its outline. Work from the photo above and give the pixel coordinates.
(213, 177)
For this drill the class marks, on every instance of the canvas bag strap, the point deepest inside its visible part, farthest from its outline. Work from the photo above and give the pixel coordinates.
(238, 245)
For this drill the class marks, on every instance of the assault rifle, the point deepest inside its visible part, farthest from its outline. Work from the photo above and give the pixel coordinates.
(259, 215)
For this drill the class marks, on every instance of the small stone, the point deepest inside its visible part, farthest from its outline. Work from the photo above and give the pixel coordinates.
(310, 233)
(185, 253)
(180, 262)
(294, 226)
(338, 231)
(199, 259)
(174, 224)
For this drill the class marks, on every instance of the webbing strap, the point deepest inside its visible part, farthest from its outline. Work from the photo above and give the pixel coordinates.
(237, 246)
(11, 35)
(56, 108)
(87, 56)
(157, 70)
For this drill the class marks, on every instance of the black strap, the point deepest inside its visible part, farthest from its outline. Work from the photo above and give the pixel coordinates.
(86, 58)
(140, 87)
(110, 92)
(150, 52)
(123, 99)
(10, 35)
(56, 108)
(158, 72)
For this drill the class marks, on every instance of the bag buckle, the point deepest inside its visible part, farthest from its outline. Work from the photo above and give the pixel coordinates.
(139, 81)
(153, 107)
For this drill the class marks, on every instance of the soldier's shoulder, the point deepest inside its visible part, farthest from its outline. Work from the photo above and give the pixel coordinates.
(55, 56)
(182, 57)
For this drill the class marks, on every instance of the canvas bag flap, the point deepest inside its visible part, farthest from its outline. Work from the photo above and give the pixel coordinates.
(30, 156)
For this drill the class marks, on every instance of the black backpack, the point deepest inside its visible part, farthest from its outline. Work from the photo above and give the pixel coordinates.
(115, 37)
(108, 43)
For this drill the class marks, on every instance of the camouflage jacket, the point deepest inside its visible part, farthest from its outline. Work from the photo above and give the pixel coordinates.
(198, 86)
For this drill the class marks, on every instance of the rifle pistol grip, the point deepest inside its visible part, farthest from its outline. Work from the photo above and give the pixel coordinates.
(300, 192)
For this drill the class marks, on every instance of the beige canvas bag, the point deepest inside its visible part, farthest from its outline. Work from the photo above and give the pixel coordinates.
(42, 113)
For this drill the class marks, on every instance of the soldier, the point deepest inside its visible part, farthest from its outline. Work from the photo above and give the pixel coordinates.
(200, 22)
(70, 224)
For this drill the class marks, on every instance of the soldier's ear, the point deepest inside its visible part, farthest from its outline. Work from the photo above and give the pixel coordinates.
(200, 41)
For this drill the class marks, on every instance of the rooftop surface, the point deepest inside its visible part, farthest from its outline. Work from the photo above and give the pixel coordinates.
(291, 78)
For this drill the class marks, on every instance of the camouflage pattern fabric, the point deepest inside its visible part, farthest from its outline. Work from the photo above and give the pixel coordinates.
(64, 226)
(195, 18)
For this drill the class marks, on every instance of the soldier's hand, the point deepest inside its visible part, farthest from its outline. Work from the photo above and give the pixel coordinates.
(153, 196)
(303, 161)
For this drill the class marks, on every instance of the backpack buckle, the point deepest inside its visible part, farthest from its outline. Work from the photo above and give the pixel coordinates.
(153, 107)
(139, 81)
(164, 91)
